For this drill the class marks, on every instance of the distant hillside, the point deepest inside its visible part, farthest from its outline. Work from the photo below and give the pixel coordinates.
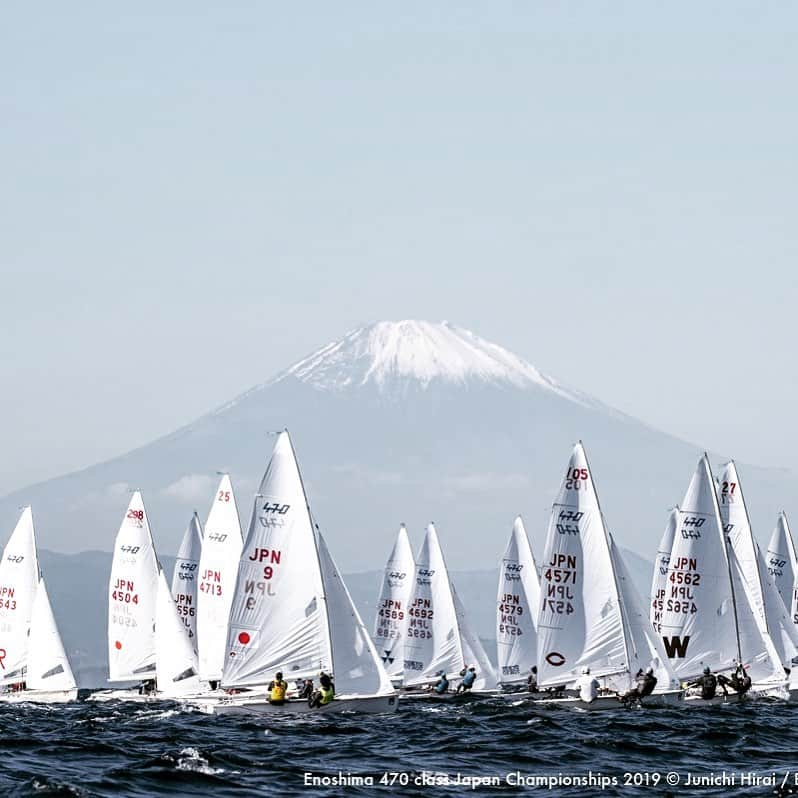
(399, 422)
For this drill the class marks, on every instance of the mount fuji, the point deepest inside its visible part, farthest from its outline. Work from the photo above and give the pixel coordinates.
(406, 421)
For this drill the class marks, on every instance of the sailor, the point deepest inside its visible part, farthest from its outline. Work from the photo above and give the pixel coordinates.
(147, 687)
(644, 685)
(740, 681)
(469, 677)
(708, 683)
(588, 686)
(304, 688)
(277, 689)
(532, 680)
(326, 692)
(327, 688)
(442, 685)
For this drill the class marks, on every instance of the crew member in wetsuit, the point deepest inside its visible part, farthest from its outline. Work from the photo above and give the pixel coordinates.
(644, 685)
(532, 680)
(277, 689)
(708, 684)
(740, 681)
(469, 677)
(442, 685)
(305, 688)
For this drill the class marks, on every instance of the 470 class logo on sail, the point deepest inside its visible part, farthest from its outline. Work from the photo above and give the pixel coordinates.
(272, 514)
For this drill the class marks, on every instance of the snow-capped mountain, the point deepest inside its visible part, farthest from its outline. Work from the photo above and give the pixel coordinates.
(398, 421)
(395, 355)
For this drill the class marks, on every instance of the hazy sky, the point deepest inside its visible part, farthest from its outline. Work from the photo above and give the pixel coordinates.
(194, 195)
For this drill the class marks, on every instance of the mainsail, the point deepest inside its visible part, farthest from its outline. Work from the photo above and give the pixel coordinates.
(433, 637)
(781, 559)
(768, 607)
(355, 664)
(580, 622)
(176, 659)
(48, 665)
(19, 577)
(291, 611)
(392, 617)
(184, 578)
(643, 644)
(131, 598)
(517, 605)
(659, 582)
(218, 567)
(474, 654)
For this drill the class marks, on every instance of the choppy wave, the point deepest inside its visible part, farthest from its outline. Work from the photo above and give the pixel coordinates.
(126, 750)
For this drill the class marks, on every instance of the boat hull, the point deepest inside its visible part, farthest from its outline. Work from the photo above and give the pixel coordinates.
(40, 697)
(431, 695)
(610, 702)
(241, 705)
(131, 695)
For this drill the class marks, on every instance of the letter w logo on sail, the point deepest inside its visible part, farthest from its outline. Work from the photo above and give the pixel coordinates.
(676, 646)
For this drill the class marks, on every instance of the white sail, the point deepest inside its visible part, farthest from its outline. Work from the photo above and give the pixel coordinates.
(433, 637)
(698, 621)
(768, 607)
(19, 577)
(218, 568)
(184, 578)
(132, 592)
(48, 665)
(355, 665)
(391, 621)
(781, 561)
(517, 605)
(474, 654)
(643, 643)
(659, 582)
(579, 623)
(278, 620)
(176, 660)
(734, 516)
(757, 650)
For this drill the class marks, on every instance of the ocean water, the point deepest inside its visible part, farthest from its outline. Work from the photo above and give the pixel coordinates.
(135, 750)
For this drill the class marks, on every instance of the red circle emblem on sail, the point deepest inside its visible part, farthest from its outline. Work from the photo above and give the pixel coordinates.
(118, 645)
(555, 658)
(244, 638)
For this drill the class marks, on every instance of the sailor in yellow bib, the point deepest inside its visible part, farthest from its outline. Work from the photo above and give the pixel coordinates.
(326, 692)
(277, 689)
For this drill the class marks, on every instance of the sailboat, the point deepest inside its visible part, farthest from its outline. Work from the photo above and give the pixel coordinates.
(517, 602)
(35, 665)
(708, 620)
(763, 596)
(291, 611)
(782, 563)
(659, 582)
(390, 624)
(184, 577)
(218, 568)
(146, 637)
(590, 615)
(439, 638)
